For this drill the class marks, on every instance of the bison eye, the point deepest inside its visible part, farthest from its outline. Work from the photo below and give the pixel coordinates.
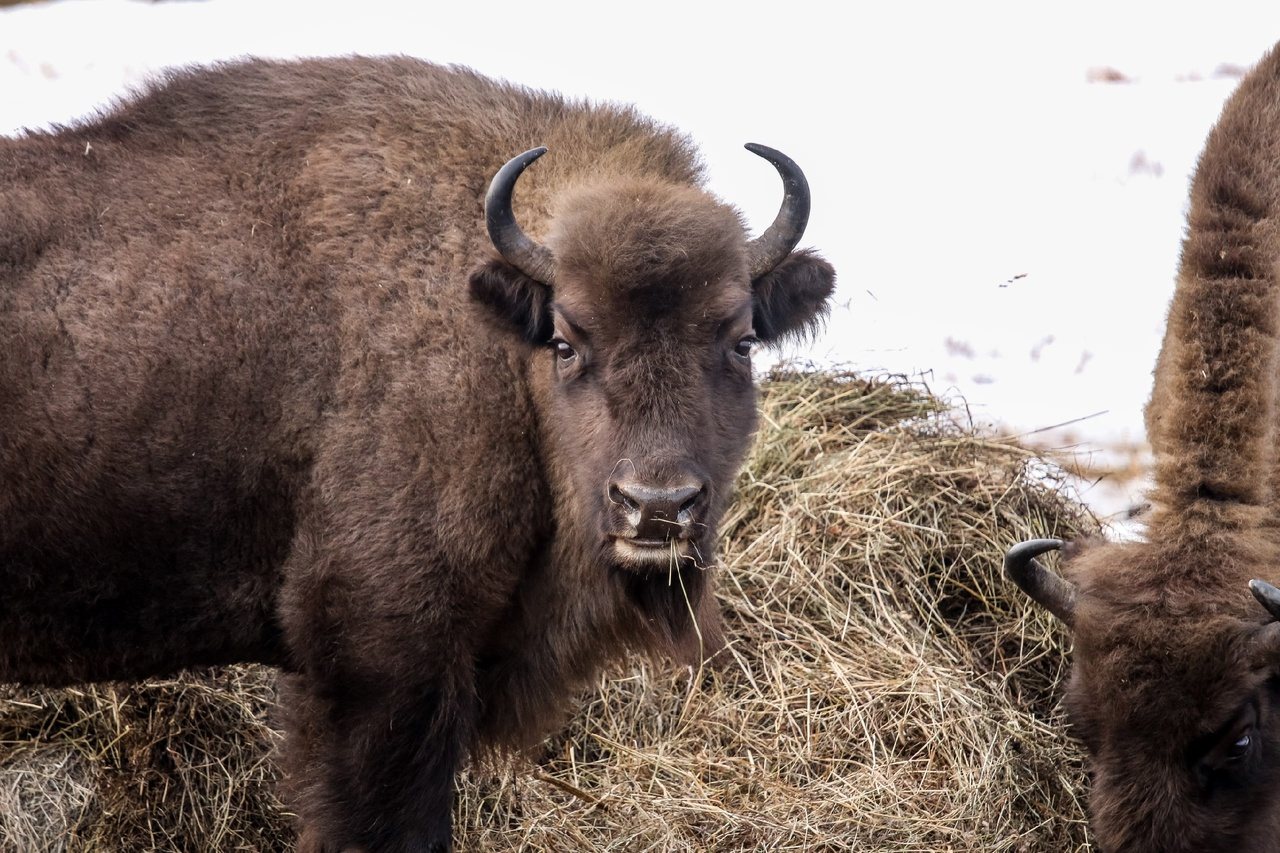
(743, 349)
(564, 352)
(1240, 748)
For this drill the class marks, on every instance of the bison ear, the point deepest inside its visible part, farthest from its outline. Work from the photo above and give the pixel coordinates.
(792, 298)
(513, 298)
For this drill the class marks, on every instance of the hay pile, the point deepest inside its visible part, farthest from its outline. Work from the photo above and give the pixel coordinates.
(884, 689)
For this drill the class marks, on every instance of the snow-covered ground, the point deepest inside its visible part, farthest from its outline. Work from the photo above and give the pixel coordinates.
(1004, 220)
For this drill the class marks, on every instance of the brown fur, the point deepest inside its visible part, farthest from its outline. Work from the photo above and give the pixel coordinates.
(1171, 654)
(266, 393)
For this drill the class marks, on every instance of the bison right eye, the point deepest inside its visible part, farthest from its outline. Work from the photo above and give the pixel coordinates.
(1240, 747)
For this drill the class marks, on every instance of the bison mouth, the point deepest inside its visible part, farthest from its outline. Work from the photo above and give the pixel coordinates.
(654, 555)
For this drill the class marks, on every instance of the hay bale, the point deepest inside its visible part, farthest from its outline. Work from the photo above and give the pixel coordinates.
(181, 764)
(884, 689)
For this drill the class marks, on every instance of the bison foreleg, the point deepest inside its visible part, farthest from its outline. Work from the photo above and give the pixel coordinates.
(374, 763)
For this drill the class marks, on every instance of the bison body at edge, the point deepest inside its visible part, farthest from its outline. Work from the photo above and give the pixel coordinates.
(1175, 684)
(268, 393)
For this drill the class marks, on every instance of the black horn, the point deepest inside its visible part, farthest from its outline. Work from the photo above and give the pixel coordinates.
(1268, 596)
(531, 258)
(767, 251)
(1043, 586)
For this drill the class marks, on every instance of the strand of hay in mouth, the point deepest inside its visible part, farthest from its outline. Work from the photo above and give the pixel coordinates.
(884, 688)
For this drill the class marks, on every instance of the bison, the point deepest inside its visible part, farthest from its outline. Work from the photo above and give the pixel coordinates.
(1175, 685)
(268, 393)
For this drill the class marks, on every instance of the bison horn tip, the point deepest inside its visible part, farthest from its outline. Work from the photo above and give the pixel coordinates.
(1023, 551)
(1268, 596)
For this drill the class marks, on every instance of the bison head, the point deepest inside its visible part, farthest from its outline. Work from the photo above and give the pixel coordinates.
(644, 306)
(1174, 691)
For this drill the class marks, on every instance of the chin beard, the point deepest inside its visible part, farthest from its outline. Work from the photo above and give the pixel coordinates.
(668, 585)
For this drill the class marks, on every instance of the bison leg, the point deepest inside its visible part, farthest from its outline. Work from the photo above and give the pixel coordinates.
(371, 764)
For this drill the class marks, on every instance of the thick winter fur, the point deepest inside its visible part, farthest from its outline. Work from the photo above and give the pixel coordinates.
(1176, 682)
(268, 394)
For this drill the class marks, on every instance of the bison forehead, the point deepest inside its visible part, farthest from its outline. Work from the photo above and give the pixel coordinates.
(652, 237)
(1162, 634)
(1159, 679)
(688, 312)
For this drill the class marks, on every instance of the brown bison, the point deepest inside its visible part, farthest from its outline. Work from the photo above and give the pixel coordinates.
(1175, 689)
(267, 393)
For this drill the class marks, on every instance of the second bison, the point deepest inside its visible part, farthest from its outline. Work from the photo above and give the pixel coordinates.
(1175, 685)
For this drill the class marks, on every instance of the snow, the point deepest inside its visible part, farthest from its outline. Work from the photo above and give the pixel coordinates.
(1003, 226)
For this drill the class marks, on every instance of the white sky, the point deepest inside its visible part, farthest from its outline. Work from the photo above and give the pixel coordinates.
(969, 184)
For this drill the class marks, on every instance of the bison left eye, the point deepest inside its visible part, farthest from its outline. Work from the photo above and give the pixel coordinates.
(744, 347)
(564, 352)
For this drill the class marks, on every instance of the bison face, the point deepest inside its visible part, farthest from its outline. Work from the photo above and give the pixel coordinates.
(642, 359)
(651, 409)
(1184, 753)
(1174, 691)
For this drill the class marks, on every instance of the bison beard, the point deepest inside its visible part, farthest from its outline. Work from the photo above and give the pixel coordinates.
(268, 393)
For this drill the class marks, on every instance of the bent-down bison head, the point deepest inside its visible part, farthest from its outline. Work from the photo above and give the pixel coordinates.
(1174, 690)
(644, 305)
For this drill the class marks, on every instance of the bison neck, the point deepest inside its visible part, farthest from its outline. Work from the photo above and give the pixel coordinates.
(572, 615)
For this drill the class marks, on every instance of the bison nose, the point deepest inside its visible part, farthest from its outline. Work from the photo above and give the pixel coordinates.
(657, 513)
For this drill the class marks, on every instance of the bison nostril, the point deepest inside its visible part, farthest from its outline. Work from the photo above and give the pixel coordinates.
(693, 499)
(659, 512)
(618, 496)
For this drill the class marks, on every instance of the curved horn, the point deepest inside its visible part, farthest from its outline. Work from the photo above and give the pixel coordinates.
(1043, 586)
(1268, 596)
(532, 259)
(767, 251)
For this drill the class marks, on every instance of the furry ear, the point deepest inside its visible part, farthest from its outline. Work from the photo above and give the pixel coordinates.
(791, 299)
(519, 302)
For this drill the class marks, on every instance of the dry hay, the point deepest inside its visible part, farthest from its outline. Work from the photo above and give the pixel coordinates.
(884, 688)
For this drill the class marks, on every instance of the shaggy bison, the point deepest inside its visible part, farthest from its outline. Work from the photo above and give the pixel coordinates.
(1176, 683)
(268, 393)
